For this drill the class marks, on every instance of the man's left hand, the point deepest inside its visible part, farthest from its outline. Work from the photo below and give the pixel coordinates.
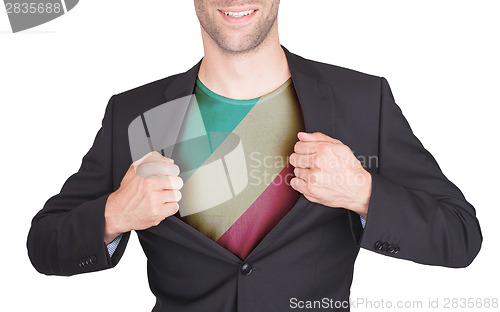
(327, 172)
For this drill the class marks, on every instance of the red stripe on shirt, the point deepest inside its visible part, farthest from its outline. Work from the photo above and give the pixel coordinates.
(262, 216)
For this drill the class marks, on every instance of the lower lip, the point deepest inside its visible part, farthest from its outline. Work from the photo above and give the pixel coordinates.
(237, 20)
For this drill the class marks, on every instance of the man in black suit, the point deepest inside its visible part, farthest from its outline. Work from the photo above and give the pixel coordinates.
(412, 211)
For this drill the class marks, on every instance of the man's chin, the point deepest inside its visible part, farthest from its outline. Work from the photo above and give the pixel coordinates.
(239, 45)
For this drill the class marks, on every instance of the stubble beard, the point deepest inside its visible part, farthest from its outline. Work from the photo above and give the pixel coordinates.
(244, 45)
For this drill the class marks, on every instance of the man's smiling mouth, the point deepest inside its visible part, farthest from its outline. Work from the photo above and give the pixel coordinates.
(239, 14)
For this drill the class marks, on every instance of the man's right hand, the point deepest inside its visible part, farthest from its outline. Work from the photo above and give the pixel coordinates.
(148, 193)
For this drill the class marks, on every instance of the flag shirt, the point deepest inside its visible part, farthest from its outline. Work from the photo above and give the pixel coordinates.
(234, 164)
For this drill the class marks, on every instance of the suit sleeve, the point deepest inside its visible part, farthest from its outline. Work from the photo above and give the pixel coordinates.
(415, 212)
(67, 236)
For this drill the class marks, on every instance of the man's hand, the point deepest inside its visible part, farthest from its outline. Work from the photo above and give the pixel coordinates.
(148, 193)
(327, 172)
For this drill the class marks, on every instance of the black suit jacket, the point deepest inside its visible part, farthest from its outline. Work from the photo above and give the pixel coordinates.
(415, 212)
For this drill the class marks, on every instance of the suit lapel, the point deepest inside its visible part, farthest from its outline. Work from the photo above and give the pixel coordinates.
(318, 108)
(316, 99)
(183, 84)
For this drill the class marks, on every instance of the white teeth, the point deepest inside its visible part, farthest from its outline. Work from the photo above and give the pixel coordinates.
(239, 14)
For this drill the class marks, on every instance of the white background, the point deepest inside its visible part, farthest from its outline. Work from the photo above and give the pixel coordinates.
(441, 59)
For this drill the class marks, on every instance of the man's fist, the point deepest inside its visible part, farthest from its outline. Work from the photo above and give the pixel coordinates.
(148, 193)
(327, 172)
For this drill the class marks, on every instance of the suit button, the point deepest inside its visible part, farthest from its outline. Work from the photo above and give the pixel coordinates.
(390, 249)
(246, 269)
(384, 246)
(378, 245)
(93, 260)
(396, 249)
(83, 263)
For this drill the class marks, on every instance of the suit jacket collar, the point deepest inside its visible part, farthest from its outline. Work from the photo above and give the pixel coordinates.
(315, 97)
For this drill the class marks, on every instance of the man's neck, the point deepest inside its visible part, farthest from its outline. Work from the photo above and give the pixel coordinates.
(244, 76)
